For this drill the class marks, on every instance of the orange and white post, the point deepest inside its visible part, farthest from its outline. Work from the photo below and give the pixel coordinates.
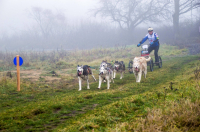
(18, 74)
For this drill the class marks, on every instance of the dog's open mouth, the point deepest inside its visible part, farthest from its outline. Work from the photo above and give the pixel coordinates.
(79, 73)
(136, 69)
(116, 68)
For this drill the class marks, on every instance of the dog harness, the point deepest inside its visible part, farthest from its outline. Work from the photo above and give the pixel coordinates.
(109, 71)
(85, 72)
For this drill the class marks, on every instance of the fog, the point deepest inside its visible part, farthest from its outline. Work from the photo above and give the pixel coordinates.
(86, 24)
(14, 14)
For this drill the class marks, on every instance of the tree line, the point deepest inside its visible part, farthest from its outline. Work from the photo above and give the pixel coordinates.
(129, 20)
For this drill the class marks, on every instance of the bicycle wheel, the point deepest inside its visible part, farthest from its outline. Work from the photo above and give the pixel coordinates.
(160, 62)
(130, 66)
(151, 65)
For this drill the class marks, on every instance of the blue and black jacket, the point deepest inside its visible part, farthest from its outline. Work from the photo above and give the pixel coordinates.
(152, 38)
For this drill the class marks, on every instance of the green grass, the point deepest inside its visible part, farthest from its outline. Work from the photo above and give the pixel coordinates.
(124, 107)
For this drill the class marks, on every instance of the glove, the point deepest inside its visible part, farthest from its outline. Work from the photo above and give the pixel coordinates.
(151, 43)
(138, 45)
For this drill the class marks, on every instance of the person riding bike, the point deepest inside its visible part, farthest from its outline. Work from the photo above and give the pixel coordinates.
(153, 41)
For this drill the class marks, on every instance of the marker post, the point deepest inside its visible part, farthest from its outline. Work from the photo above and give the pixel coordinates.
(18, 61)
(18, 74)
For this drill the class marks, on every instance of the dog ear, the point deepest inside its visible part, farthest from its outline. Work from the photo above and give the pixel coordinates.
(78, 66)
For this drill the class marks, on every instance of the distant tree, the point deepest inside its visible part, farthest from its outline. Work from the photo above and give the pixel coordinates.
(181, 7)
(128, 14)
(49, 23)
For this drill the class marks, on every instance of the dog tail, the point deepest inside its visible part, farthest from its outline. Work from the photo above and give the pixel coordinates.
(148, 59)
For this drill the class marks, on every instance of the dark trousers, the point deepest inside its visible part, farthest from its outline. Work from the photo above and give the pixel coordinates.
(156, 48)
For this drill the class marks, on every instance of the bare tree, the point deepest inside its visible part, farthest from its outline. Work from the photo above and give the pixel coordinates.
(48, 22)
(128, 14)
(180, 8)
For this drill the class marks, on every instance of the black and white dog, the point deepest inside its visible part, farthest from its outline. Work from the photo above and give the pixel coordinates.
(119, 67)
(105, 73)
(83, 72)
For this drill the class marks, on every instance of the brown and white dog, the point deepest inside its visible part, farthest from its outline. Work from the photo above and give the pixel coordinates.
(83, 72)
(140, 67)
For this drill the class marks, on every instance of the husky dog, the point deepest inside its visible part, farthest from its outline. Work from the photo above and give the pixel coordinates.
(106, 65)
(140, 67)
(83, 72)
(105, 73)
(119, 67)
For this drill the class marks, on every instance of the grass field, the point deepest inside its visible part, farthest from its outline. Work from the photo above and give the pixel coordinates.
(167, 100)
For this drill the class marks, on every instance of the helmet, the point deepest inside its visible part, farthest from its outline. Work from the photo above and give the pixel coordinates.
(150, 29)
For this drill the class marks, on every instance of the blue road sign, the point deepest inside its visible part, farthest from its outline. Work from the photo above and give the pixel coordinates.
(20, 61)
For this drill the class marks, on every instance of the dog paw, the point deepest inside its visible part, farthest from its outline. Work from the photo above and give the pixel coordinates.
(98, 88)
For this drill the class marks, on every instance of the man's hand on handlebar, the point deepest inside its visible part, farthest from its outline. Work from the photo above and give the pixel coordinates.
(138, 45)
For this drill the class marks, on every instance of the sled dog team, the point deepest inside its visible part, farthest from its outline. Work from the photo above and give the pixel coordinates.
(107, 72)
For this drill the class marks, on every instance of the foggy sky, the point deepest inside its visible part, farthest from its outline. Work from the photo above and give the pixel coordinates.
(15, 17)
(14, 14)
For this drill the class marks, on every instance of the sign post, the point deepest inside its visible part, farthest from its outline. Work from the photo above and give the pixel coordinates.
(18, 61)
(18, 74)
